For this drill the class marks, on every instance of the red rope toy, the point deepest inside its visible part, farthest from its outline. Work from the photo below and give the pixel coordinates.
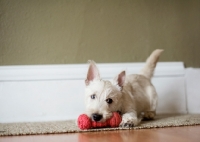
(84, 122)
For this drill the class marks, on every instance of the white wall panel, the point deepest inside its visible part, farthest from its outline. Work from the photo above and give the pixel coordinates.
(56, 92)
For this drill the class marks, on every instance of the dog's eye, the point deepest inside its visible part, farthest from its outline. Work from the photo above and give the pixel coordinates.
(109, 101)
(93, 96)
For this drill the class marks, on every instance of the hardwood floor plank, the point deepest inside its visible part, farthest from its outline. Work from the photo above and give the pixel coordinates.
(182, 134)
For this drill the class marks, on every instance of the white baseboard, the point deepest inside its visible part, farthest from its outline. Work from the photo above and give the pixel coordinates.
(78, 71)
(56, 92)
(193, 90)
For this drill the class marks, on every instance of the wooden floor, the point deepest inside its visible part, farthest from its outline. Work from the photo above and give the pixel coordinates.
(176, 134)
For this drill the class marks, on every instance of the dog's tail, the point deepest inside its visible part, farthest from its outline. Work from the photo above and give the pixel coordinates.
(150, 65)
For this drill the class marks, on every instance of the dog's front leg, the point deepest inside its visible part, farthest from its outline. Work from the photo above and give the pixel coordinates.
(129, 119)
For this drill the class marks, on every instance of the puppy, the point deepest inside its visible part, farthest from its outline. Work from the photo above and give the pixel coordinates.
(131, 95)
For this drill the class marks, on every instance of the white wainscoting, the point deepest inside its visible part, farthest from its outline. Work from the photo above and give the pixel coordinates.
(56, 92)
(193, 89)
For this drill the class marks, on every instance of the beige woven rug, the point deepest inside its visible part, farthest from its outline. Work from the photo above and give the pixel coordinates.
(70, 127)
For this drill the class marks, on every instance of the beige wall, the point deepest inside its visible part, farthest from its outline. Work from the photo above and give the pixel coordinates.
(73, 31)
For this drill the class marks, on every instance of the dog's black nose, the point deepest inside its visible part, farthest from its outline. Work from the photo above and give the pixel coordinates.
(96, 117)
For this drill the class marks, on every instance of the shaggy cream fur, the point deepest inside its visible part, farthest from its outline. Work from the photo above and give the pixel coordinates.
(133, 95)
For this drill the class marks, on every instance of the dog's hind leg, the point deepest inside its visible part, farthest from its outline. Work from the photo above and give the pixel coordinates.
(150, 113)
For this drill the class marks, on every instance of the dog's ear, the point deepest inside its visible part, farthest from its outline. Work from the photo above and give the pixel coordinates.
(93, 72)
(120, 79)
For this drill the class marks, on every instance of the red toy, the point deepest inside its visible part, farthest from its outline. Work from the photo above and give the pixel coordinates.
(84, 122)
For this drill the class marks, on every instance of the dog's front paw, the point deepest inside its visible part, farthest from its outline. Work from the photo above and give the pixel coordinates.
(127, 123)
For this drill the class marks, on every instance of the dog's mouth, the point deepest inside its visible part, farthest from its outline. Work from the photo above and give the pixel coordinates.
(100, 117)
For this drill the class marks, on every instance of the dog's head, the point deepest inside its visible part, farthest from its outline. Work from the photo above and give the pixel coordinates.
(102, 97)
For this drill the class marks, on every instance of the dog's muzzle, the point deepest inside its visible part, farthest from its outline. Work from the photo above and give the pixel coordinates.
(96, 117)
